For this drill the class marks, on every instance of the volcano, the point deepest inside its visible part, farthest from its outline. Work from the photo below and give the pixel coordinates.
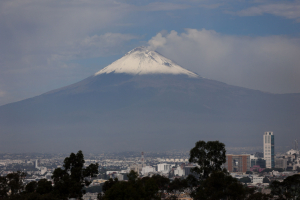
(146, 102)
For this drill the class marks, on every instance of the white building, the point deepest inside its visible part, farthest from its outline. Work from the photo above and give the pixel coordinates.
(292, 151)
(112, 172)
(179, 171)
(269, 153)
(147, 169)
(43, 170)
(163, 167)
(37, 164)
(257, 179)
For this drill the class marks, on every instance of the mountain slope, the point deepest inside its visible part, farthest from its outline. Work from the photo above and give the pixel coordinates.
(146, 110)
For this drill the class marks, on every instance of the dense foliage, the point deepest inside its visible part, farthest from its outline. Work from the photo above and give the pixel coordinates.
(289, 188)
(68, 182)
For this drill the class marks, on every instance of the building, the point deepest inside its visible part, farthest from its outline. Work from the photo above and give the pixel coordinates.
(269, 153)
(258, 161)
(281, 163)
(37, 163)
(257, 179)
(187, 170)
(237, 163)
(163, 167)
(147, 169)
(292, 152)
(137, 167)
(179, 171)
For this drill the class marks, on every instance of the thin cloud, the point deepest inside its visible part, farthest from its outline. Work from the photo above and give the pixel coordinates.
(286, 10)
(95, 46)
(211, 6)
(268, 63)
(164, 6)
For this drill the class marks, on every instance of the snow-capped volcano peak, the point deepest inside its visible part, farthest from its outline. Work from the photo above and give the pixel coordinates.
(141, 61)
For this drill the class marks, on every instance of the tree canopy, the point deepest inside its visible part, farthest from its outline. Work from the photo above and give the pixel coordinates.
(68, 182)
(209, 156)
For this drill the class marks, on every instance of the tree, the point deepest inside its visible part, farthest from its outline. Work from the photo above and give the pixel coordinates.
(266, 180)
(31, 187)
(267, 170)
(245, 180)
(209, 156)
(108, 184)
(220, 185)
(3, 187)
(145, 188)
(289, 188)
(177, 186)
(259, 196)
(15, 182)
(69, 181)
(161, 181)
(214, 182)
(44, 187)
(278, 169)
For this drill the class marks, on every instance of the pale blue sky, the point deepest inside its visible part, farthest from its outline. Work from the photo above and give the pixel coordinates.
(48, 44)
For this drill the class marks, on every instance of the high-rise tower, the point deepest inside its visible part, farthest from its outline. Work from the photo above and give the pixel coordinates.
(269, 152)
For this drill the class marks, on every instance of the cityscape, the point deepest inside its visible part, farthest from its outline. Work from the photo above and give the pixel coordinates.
(257, 169)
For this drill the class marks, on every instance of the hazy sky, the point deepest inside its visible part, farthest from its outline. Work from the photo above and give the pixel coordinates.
(48, 44)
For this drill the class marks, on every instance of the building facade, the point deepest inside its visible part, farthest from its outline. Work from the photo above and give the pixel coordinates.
(269, 152)
(281, 163)
(258, 161)
(163, 167)
(237, 163)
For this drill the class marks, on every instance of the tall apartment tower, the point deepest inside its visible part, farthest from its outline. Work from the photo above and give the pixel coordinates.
(269, 153)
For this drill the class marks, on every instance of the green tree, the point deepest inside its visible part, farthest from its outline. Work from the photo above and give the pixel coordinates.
(44, 187)
(15, 182)
(146, 188)
(177, 186)
(220, 185)
(108, 184)
(289, 188)
(31, 187)
(245, 180)
(259, 196)
(214, 182)
(161, 181)
(266, 180)
(3, 187)
(210, 156)
(267, 170)
(69, 181)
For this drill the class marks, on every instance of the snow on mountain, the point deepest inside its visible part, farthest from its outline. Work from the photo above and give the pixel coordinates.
(141, 61)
